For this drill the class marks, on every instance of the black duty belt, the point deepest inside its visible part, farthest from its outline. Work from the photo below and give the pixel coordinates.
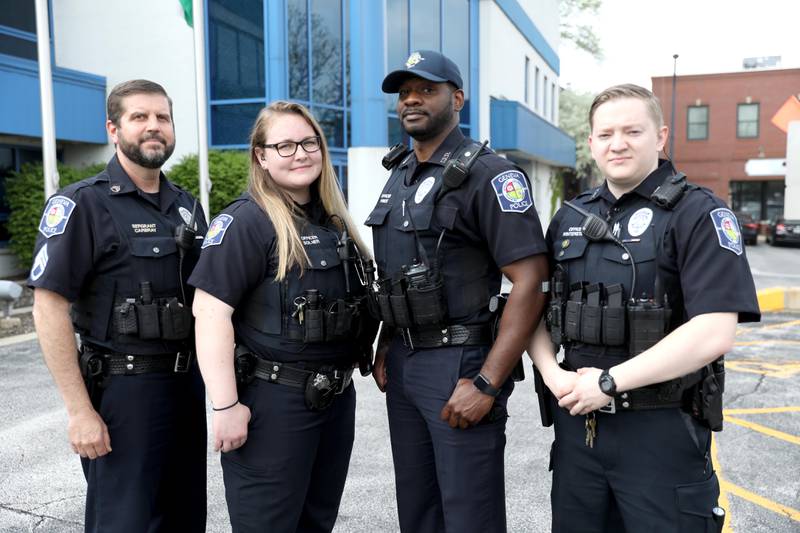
(455, 335)
(133, 364)
(643, 399)
(297, 376)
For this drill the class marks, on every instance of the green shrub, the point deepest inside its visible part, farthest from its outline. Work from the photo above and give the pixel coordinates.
(228, 170)
(25, 196)
(25, 191)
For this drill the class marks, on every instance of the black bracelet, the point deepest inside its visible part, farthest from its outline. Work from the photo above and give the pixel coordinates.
(225, 408)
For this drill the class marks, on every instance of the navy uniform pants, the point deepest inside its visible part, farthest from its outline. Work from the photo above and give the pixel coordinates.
(447, 479)
(648, 471)
(154, 479)
(290, 473)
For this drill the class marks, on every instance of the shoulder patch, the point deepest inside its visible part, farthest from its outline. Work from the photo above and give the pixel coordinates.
(39, 263)
(513, 193)
(217, 229)
(728, 233)
(56, 216)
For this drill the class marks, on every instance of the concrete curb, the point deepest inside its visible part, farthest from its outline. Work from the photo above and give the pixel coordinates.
(779, 299)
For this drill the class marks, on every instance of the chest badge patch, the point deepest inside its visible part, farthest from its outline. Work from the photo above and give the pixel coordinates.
(512, 192)
(186, 215)
(39, 263)
(728, 233)
(424, 188)
(56, 216)
(639, 221)
(216, 231)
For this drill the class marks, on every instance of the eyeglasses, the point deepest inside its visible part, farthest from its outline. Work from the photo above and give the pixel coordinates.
(289, 148)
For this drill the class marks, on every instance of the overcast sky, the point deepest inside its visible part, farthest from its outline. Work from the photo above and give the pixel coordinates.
(639, 38)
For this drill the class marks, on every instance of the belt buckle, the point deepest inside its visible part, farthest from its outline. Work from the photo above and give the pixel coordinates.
(406, 334)
(182, 362)
(610, 408)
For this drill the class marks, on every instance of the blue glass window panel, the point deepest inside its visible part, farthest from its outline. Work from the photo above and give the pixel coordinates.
(425, 25)
(236, 42)
(19, 14)
(326, 51)
(396, 40)
(332, 123)
(16, 47)
(455, 36)
(231, 124)
(297, 35)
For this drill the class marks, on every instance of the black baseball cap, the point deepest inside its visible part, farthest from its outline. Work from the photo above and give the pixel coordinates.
(425, 64)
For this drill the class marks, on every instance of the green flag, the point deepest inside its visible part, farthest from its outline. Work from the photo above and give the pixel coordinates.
(187, 11)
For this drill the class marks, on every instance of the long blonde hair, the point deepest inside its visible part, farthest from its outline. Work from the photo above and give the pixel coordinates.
(278, 205)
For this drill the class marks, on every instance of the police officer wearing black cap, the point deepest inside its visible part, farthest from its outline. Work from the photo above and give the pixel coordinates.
(451, 221)
(112, 257)
(649, 282)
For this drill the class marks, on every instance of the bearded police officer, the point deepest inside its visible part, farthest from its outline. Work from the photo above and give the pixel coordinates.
(112, 257)
(452, 219)
(649, 281)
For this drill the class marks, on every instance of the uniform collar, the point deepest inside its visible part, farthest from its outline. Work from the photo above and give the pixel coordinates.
(120, 183)
(442, 154)
(645, 189)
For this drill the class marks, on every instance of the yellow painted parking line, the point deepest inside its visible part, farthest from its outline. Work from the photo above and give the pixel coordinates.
(781, 325)
(761, 410)
(775, 370)
(723, 494)
(764, 429)
(752, 497)
(766, 341)
(744, 330)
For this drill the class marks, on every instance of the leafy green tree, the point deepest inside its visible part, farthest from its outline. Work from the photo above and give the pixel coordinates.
(576, 25)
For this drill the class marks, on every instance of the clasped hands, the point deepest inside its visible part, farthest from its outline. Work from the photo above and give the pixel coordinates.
(579, 391)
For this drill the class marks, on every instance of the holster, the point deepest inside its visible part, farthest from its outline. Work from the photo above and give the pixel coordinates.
(244, 365)
(543, 395)
(93, 369)
(705, 398)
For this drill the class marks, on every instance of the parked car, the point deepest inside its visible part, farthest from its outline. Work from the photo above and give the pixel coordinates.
(783, 231)
(749, 227)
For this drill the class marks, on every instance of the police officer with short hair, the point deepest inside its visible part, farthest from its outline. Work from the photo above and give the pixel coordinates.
(649, 282)
(452, 219)
(112, 257)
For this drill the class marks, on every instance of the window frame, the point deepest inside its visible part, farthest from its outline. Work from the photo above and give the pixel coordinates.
(689, 123)
(757, 121)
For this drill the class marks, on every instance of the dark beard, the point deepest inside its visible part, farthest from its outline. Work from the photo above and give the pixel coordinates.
(153, 160)
(436, 125)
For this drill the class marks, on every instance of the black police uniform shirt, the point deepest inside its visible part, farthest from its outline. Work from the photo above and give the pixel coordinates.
(102, 236)
(489, 222)
(696, 248)
(238, 266)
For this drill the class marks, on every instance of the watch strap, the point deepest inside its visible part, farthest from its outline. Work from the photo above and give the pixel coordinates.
(485, 386)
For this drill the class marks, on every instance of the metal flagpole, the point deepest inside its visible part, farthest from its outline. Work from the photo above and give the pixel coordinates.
(198, 23)
(46, 91)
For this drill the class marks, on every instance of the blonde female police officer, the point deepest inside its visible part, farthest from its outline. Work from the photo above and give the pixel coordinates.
(279, 277)
(632, 425)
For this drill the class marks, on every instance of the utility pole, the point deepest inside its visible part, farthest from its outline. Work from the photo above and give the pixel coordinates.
(672, 113)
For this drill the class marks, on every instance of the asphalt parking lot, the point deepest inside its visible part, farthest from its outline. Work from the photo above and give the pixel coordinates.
(757, 455)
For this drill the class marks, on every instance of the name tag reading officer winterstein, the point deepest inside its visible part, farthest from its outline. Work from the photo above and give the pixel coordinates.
(512, 192)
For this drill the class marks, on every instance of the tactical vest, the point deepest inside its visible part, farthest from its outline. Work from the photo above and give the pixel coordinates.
(313, 311)
(420, 283)
(593, 307)
(134, 303)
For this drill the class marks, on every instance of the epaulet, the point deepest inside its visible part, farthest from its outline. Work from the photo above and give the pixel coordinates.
(589, 192)
(457, 169)
(394, 156)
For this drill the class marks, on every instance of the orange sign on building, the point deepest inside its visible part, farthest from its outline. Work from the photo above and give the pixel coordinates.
(788, 112)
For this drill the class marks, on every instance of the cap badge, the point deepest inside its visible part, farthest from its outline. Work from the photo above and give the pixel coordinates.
(413, 59)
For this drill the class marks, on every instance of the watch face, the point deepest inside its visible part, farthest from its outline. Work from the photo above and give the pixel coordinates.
(606, 383)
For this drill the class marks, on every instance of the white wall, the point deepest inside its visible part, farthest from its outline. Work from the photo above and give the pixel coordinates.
(127, 40)
(502, 75)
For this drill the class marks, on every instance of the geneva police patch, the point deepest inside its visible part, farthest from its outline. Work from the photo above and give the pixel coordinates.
(728, 233)
(216, 231)
(56, 216)
(512, 191)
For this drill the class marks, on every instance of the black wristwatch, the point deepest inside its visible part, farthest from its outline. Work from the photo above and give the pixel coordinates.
(607, 383)
(483, 385)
